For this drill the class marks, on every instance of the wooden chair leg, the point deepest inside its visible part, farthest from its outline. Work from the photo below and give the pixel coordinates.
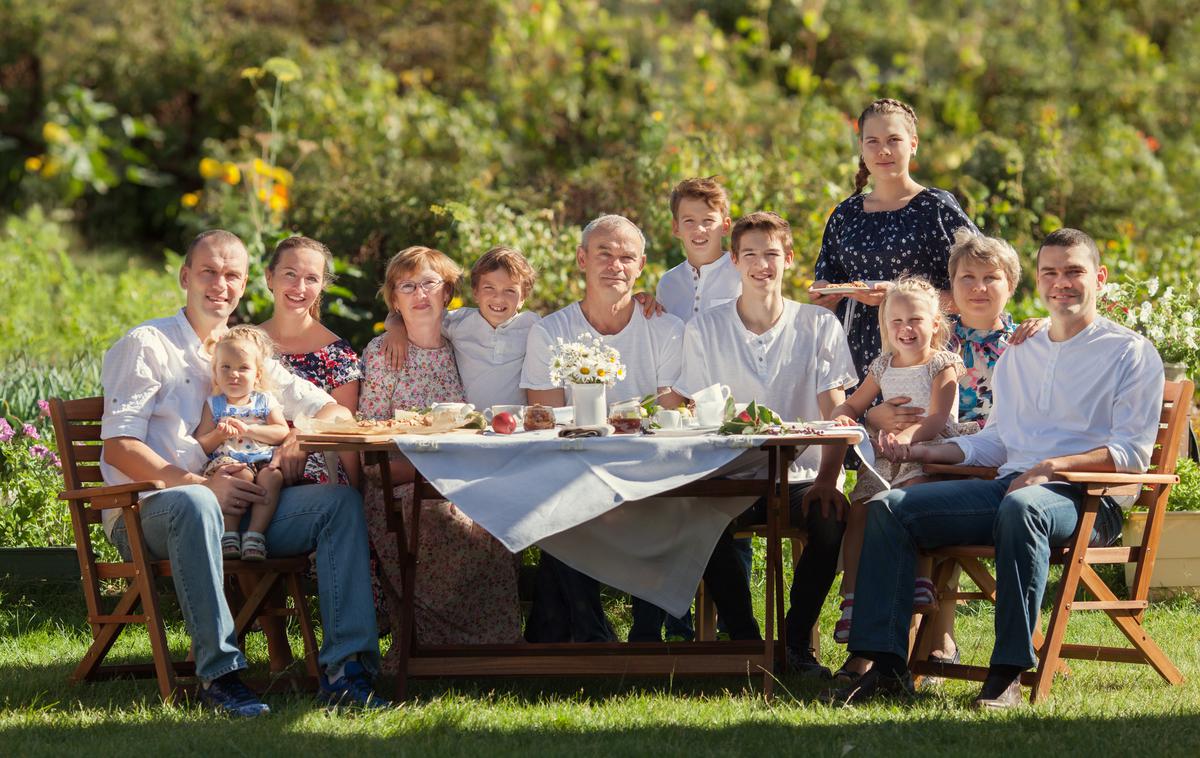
(705, 617)
(1056, 630)
(105, 635)
(1133, 629)
(311, 664)
(144, 580)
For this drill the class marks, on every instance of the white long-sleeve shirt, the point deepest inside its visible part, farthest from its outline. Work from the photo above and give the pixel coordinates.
(1101, 388)
(157, 380)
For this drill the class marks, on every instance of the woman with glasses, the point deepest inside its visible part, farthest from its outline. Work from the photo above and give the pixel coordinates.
(466, 583)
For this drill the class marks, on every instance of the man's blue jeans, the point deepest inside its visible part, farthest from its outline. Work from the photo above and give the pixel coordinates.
(184, 525)
(1023, 526)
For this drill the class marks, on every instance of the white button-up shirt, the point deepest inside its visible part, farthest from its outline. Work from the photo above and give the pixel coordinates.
(489, 357)
(686, 291)
(651, 349)
(156, 381)
(1101, 388)
(785, 368)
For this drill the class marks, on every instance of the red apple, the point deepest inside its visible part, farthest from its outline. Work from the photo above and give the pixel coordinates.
(504, 423)
(744, 416)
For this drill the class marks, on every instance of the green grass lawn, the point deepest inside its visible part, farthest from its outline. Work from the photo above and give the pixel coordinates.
(1099, 710)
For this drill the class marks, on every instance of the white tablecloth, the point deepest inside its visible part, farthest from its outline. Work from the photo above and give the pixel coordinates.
(562, 494)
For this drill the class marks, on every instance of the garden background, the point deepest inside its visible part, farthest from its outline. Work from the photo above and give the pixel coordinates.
(126, 126)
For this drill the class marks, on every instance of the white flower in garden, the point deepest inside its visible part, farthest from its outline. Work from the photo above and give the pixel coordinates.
(1152, 285)
(1155, 333)
(1145, 311)
(1188, 317)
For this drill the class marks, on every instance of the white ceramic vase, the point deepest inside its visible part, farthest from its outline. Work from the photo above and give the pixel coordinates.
(589, 403)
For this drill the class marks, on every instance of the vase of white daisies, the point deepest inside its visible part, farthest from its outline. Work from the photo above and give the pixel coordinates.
(587, 367)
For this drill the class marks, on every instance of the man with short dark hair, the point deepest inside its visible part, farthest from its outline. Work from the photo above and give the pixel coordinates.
(156, 380)
(1083, 395)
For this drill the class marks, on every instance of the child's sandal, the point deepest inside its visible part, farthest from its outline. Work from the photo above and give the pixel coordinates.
(841, 630)
(231, 546)
(924, 596)
(254, 547)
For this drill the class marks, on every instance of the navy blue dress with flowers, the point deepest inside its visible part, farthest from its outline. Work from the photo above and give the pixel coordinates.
(881, 246)
(329, 368)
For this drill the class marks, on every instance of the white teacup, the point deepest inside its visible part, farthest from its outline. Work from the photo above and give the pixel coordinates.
(717, 393)
(458, 409)
(668, 419)
(710, 413)
(517, 411)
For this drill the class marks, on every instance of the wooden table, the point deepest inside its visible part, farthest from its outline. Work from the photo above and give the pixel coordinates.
(620, 658)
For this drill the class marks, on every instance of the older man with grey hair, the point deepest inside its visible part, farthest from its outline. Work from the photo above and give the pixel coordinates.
(611, 255)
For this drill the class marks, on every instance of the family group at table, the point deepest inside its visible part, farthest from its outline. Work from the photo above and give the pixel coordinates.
(921, 352)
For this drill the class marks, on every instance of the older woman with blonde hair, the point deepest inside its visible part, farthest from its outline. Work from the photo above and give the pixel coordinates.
(466, 583)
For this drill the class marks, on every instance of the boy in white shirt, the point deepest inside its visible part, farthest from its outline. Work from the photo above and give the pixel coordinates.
(700, 221)
(794, 359)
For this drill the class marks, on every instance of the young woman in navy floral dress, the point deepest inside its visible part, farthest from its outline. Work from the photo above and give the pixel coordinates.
(900, 227)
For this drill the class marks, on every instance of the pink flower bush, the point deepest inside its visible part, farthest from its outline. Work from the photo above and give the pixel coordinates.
(44, 408)
(30, 431)
(6, 431)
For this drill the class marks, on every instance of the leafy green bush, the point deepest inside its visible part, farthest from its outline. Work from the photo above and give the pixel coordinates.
(1185, 496)
(30, 513)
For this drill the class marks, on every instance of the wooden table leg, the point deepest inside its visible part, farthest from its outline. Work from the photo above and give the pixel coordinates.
(395, 521)
(771, 569)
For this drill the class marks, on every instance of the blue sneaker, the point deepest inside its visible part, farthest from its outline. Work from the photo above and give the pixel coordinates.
(228, 695)
(352, 690)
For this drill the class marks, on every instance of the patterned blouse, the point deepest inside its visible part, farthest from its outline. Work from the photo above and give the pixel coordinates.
(882, 245)
(980, 349)
(329, 368)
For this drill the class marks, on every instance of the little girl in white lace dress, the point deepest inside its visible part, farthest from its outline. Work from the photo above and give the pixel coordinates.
(913, 364)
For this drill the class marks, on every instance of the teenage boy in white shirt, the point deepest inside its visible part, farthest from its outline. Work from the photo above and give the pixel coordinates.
(792, 358)
(611, 256)
(156, 380)
(700, 221)
(1083, 395)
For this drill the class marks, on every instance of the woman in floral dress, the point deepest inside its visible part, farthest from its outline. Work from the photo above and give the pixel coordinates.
(466, 583)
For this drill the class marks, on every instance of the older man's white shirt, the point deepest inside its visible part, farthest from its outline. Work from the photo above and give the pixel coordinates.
(785, 368)
(685, 291)
(1101, 388)
(156, 379)
(651, 349)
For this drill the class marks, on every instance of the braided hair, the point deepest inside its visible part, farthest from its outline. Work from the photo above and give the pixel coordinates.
(882, 107)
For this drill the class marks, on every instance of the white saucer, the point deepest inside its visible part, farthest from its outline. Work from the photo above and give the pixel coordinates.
(686, 431)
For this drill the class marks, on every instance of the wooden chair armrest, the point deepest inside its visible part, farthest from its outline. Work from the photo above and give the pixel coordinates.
(945, 469)
(1100, 477)
(113, 496)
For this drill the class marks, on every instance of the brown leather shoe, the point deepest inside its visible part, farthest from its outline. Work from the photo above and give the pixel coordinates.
(871, 686)
(999, 691)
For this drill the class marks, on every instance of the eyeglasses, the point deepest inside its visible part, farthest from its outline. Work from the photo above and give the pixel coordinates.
(426, 285)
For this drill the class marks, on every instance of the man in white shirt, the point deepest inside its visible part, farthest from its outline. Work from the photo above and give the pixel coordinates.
(792, 358)
(156, 380)
(707, 277)
(611, 255)
(1083, 395)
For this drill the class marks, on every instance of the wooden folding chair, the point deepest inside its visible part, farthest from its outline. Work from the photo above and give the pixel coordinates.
(1077, 558)
(77, 429)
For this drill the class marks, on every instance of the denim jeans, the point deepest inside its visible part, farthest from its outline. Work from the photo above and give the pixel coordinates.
(184, 525)
(1023, 526)
(566, 606)
(649, 619)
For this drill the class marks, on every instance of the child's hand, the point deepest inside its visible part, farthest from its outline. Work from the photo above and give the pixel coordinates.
(894, 415)
(227, 428)
(844, 420)
(650, 306)
(1027, 329)
(893, 448)
(395, 349)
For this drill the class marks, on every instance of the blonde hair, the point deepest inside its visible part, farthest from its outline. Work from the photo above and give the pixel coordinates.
(297, 242)
(919, 290)
(990, 250)
(883, 107)
(413, 258)
(259, 345)
(508, 259)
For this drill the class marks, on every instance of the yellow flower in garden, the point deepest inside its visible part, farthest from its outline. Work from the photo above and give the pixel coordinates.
(262, 194)
(657, 115)
(282, 175)
(231, 174)
(52, 132)
(210, 168)
(190, 200)
(33, 163)
(277, 203)
(379, 326)
(51, 167)
(455, 303)
(261, 167)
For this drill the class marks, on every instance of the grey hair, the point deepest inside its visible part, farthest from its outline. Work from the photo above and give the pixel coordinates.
(610, 221)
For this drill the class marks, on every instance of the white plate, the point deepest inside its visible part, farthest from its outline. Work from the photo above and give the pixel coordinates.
(686, 431)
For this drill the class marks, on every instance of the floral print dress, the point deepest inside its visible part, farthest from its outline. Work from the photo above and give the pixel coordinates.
(466, 583)
(329, 368)
(881, 246)
(979, 349)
